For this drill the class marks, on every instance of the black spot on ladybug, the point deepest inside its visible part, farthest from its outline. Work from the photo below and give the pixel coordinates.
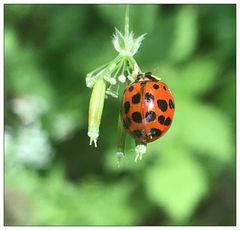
(127, 123)
(137, 133)
(155, 132)
(149, 97)
(164, 87)
(161, 119)
(167, 121)
(137, 117)
(150, 116)
(162, 104)
(136, 98)
(130, 89)
(171, 104)
(126, 107)
(155, 86)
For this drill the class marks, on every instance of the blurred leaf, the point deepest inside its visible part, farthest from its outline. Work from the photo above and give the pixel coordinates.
(24, 74)
(157, 42)
(186, 33)
(66, 17)
(17, 12)
(112, 14)
(99, 198)
(48, 51)
(11, 43)
(176, 183)
(204, 129)
(198, 76)
(143, 18)
(67, 204)
(226, 97)
(91, 196)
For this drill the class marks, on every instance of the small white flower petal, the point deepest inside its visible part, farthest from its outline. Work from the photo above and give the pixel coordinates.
(115, 42)
(128, 42)
(137, 44)
(112, 81)
(122, 78)
(111, 93)
(140, 150)
(119, 34)
(118, 40)
(126, 45)
(130, 78)
(90, 81)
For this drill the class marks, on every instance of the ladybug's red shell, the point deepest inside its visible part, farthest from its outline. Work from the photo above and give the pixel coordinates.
(147, 109)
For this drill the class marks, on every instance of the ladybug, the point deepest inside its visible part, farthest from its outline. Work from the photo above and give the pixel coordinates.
(147, 108)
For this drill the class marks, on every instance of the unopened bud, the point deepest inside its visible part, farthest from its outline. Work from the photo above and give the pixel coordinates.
(95, 110)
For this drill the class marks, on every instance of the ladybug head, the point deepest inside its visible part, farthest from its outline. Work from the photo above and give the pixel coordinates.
(148, 76)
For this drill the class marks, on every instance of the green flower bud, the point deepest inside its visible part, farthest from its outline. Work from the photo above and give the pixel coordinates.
(95, 110)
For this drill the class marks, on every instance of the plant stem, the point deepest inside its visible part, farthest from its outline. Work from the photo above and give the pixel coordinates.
(127, 21)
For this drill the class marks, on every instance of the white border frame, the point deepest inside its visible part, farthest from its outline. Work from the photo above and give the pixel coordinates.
(121, 2)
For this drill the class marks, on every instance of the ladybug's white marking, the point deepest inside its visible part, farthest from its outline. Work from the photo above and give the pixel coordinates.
(150, 105)
(158, 78)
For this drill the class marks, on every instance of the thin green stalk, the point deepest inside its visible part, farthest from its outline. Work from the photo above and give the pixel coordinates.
(127, 21)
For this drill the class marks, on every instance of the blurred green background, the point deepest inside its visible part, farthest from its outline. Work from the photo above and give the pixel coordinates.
(53, 176)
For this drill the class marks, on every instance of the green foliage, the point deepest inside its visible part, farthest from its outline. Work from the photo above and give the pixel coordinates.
(63, 199)
(210, 131)
(186, 34)
(181, 177)
(203, 73)
(53, 176)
